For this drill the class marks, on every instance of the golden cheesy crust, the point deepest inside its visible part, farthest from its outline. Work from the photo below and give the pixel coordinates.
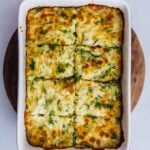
(99, 26)
(98, 64)
(97, 132)
(51, 15)
(98, 99)
(50, 131)
(73, 72)
(50, 61)
(94, 25)
(50, 97)
(51, 25)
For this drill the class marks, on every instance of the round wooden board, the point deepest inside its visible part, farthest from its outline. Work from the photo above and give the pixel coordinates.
(137, 70)
(10, 70)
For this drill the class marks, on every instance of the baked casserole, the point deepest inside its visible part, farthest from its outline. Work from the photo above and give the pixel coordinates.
(73, 77)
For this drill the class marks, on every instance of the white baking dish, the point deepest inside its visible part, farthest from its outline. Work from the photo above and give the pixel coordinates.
(126, 91)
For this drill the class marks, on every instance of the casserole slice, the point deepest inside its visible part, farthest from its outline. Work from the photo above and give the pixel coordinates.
(51, 25)
(96, 132)
(98, 64)
(99, 26)
(50, 97)
(49, 61)
(49, 131)
(98, 99)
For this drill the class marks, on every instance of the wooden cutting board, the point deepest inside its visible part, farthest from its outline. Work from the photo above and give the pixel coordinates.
(10, 70)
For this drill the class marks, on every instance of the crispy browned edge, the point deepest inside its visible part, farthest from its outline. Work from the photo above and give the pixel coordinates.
(122, 40)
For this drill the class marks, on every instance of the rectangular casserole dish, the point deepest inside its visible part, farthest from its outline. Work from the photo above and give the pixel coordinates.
(24, 7)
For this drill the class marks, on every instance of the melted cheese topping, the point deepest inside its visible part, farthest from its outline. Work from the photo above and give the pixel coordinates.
(97, 132)
(51, 25)
(71, 53)
(54, 97)
(49, 61)
(50, 131)
(98, 99)
(98, 64)
(51, 15)
(99, 26)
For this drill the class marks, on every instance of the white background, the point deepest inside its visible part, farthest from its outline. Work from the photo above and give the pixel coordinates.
(140, 133)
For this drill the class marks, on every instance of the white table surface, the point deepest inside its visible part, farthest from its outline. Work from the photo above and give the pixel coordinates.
(140, 133)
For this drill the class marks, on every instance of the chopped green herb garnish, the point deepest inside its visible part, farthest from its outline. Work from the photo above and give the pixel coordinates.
(95, 41)
(117, 94)
(44, 90)
(40, 45)
(73, 16)
(65, 31)
(41, 128)
(48, 101)
(49, 22)
(59, 105)
(62, 67)
(52, 46)
(63, 14)
(103, 86)
(40, 114)
(109, 31)
(98, 104)
(75, 34)
(113, 46)
(77, 77)
(38, 9)
(76, 94)
(63, 126)
(86, 105)
(82, 51)
(50, 120)
(74, 137)
(90, 89)
(109, 106)
(42, 32)
(91, 116)
(42, 139)
(52, 113)
(100, 21)
(105, 73)
(38, 78)
(32, 64)
(114, 136)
